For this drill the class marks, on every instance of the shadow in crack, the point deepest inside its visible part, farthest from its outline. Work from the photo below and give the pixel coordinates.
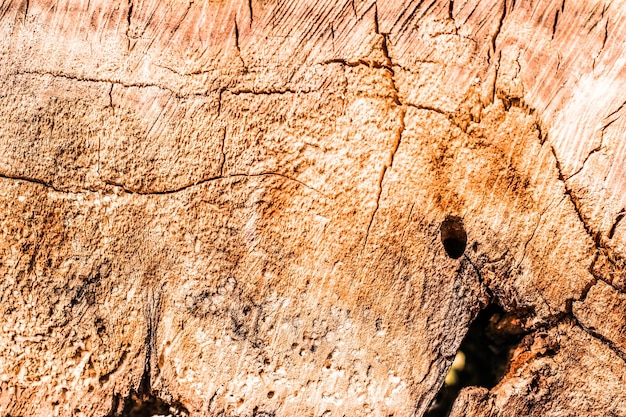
(482, 359)
(145, 405)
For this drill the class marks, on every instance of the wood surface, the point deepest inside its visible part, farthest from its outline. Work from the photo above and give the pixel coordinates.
(235, 208)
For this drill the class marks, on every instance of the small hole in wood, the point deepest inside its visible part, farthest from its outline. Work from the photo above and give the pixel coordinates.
(270, 394)
(453, 236)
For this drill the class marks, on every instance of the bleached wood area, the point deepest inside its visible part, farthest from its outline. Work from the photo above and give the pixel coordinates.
(233, 208)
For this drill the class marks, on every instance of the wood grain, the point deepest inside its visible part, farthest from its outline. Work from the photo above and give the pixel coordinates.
(235, 206)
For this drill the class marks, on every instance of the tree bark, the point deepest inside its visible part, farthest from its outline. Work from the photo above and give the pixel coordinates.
(264, 208)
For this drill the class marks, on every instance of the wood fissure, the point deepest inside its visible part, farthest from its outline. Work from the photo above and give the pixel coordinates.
(279, 208)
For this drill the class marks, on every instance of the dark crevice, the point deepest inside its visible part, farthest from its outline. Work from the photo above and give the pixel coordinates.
(285, 89)
(483, 357)
(494, 38)
(243, 63)
(618, 219)
(144, 401)
(555, 23)
(139, 404)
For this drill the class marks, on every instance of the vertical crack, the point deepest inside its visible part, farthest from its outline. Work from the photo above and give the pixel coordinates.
(618, 219)
(575, 203)
(396, 99)
(381, 177)
(143, 402)
(376, 26)
(535, 230)
(152, 317)
(451, 16)
(494, 38)
(558, 13)
(223, 161)
(555, 23)
(606, 34)
(111, 98)
(129, 16)
(493, 49)
(219, 102)
(494, 86)
(243, 63)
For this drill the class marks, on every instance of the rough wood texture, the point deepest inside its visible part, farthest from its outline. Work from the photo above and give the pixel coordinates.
(235, 206)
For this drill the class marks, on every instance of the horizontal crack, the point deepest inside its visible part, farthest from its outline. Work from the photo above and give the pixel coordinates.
(356, 63)
(97, 80)
(212, 179)
(277, 91)
(130, 190)
(36, 181)
(177, 94)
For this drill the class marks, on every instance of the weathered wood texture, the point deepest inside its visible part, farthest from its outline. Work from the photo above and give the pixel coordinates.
(236, 205)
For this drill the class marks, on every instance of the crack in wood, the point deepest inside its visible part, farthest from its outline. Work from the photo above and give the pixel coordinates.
(593, 151)
(577, 206)
(402, 126)
(100, 80)
(614, 347)
(575, 203)
(175, 94)
(223, 152)
(243, 63)
(492, 51)
(209, 180)
(129, 16)
(535, 230)
(618, 219)
(129, 190)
